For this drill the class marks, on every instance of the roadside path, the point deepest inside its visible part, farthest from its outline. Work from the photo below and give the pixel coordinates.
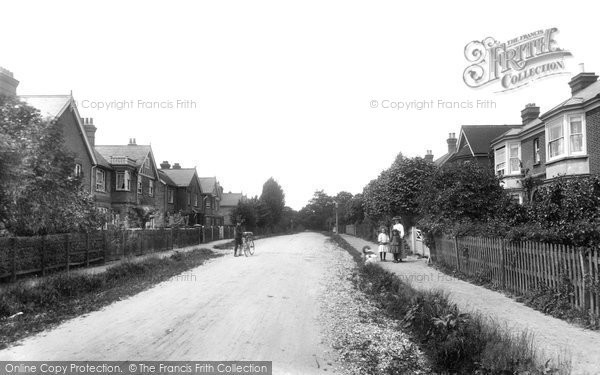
(554, 338)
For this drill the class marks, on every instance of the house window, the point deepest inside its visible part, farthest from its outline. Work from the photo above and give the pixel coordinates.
(100, 180)
(189, 195)
(151, 188)
(78, 170)
(123, 181)
(140, 189)
(170, 195)
(515, 162)
(500, 160)
(576, 134)
(555, 140)
(536, 151)
(196, 200)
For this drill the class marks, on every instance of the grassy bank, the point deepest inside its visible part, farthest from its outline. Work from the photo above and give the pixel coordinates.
(454, 342)
(26, 310)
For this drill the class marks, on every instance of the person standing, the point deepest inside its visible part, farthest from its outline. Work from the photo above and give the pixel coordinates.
(239, 233)
(383, 239)
(396, 246)
(400, 228)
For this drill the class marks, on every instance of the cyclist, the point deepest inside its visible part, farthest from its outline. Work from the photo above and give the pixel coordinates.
(238, 235)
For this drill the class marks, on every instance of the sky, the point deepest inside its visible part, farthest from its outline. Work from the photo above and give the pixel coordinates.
(246, 90)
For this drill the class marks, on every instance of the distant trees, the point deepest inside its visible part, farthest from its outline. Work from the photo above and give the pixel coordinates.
(267, 211)
(39, 191)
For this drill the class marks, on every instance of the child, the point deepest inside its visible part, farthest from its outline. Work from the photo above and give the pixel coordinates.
(383, 240)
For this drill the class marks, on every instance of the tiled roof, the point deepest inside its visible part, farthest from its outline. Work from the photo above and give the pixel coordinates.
(101, 160)
(180, 176)
(231, 199)
(479, 137)
(163, 176)
(49, 105)
(135, 152)
(208, 184)
(442, 159)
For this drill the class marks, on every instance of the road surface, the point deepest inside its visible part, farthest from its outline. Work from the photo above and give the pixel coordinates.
(263, 307)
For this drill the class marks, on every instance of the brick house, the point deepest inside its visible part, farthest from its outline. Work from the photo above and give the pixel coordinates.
(165, 199)
(134, 179)
(186, 197)
(564, 141)
(229, 202)
(212, 193)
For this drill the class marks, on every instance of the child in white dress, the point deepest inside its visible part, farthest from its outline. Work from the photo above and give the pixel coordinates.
(383, 239)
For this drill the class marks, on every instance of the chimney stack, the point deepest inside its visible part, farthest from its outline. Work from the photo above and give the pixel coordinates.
(530, 113)
(90, 130)
(451, 143)
(176, 166)
(582, 80)
(429, 156)
(165, 165)
(132, 142)
(8, 84)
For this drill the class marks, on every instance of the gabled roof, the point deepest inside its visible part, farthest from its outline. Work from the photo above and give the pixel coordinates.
(442, 159)
(231, 199)
(135, 152)
(180, 176)
(53, 106)
(208, 184)
(165, 178)
(479, 137)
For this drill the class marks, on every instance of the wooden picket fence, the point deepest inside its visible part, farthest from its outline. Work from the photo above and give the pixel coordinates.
(521, 267)
(20, 256)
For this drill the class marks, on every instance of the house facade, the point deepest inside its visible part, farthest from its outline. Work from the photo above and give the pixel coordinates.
(564, 141)
(134, 180)
(229, 201)
(186, 197)
(212, 193)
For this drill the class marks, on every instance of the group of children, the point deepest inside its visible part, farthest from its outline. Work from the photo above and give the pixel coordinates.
(394, 244)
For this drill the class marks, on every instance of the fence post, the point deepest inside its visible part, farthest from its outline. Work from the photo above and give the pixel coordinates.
(13, 247)
(456, 253)
(68, 250)
(87, 249)
(503, 263)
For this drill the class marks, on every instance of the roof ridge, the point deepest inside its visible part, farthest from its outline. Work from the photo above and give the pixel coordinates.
(45, 96)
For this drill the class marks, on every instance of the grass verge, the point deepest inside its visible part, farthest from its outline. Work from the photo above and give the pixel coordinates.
(26, 310)
(454, 342)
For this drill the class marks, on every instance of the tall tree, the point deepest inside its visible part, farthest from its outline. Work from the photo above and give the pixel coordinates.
(39, 192)
(273, 199)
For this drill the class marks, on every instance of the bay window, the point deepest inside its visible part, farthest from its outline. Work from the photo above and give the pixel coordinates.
(576, 133)
(100, 180)
(123, 181)
(555, 140)
(500, 160)
(515, 159)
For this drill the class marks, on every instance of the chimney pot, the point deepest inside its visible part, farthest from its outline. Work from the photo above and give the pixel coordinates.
(530, 113)
(165, 165)
(90, 130)
(176, 166)
(581, 81)
(451, 143)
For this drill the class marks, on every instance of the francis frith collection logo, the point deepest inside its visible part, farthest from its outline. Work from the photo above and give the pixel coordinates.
(514, 63)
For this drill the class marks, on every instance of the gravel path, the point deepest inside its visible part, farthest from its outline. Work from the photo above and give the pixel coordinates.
(554, 338)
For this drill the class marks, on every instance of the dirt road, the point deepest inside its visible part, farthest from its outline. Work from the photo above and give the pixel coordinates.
(554, 338)
(257, 308)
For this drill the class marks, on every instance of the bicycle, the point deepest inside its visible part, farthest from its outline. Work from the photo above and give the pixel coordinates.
(248, 244)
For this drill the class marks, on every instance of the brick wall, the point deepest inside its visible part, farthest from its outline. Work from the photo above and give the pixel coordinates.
(74, 142)
(593, 139)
